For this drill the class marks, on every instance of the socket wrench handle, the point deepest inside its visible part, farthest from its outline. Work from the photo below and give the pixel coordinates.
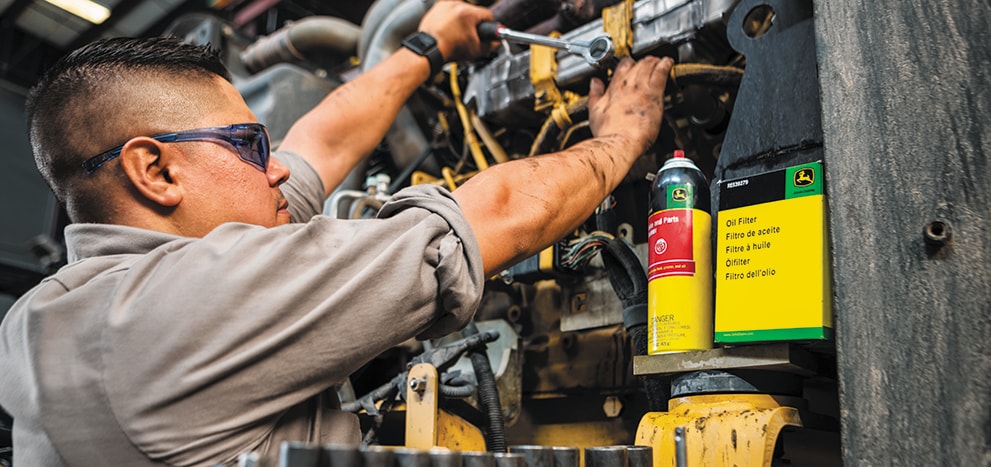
(597, 52)
(491, 30)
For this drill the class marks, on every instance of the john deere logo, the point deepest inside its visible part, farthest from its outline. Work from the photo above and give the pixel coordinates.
(805, 177)
(679, 194)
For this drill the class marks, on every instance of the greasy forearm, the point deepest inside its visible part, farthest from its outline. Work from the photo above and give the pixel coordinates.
(520, 207)
(347, 125)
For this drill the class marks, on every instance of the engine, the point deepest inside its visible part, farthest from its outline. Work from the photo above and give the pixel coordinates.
(561, 366)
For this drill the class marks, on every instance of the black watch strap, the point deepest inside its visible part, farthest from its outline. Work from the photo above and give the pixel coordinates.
(425, 45)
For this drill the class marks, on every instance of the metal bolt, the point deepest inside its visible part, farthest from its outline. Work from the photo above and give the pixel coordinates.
(612, 406)
(506, 276)
(419, 385)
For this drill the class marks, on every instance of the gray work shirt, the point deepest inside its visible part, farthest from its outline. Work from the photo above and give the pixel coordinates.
(150, 348)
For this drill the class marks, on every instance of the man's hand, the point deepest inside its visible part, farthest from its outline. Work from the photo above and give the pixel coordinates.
(633, 105)
(453, 24)
(519, 207)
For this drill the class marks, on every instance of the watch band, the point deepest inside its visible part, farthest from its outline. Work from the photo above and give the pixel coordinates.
(425, 45)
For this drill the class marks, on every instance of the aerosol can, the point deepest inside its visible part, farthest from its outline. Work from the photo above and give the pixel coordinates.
(679, 269)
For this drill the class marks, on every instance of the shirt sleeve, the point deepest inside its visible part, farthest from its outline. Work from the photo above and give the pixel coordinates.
(227, 332)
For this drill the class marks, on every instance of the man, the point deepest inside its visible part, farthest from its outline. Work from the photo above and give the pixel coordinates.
(194, 321)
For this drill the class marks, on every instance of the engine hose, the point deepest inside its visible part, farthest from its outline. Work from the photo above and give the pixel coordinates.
(684, 74)
(605, 216)
(629, 281)
(488, 395)
(657, 391)
(407, 172)
(455, 392)
(300, 40)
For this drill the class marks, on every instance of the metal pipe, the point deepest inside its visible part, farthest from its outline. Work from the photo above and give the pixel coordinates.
(509, 459)
(477, 459)
(640, 456)
(377, 13)
(605, 456)
(400, 22)
(535, 455)
(298, 39)
(405, 139)
(340, 195)
(339, 455)
(566, 456)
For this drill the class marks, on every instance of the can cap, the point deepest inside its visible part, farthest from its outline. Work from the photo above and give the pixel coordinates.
(679, 160)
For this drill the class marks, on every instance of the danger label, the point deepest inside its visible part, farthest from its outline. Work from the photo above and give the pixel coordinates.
(669, 238)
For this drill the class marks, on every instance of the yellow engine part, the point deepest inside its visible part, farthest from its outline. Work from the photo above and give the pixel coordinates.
(427, 426)
(617, 21)
(719, 430)
(543, 76)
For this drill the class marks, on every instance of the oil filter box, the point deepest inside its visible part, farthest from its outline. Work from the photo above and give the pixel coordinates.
(772, 258)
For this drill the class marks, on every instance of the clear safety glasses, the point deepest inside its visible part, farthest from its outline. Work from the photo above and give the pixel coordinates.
(250, 140)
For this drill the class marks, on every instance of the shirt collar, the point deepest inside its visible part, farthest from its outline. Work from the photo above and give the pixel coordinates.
(89, 240)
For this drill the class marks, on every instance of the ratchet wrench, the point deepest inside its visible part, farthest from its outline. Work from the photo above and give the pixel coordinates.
(598, 52)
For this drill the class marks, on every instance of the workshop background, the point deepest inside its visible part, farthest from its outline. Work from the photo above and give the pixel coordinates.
(892, 96)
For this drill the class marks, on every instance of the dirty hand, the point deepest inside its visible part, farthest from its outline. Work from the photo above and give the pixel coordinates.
(633, 104)
(453, 24)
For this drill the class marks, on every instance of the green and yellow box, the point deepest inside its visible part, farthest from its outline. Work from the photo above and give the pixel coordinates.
(772, 258)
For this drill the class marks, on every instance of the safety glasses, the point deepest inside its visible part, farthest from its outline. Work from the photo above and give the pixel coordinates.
(250, 140)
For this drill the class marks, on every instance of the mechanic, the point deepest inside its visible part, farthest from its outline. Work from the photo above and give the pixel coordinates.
(194, 321)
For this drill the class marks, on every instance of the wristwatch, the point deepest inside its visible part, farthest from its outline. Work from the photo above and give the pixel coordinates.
(425, 45)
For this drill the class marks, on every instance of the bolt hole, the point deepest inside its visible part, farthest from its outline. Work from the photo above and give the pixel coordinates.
(514, 313)
(937, 233)
(758, 21)
(568, 341)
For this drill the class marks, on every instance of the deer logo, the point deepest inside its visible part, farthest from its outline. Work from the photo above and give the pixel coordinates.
(805, 177)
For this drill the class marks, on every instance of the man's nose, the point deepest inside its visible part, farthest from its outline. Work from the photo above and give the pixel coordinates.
(277, 173)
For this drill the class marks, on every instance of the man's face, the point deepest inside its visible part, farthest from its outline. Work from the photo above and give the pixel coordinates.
(219, 186)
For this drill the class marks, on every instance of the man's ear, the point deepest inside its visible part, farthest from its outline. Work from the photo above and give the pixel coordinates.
(151, 166)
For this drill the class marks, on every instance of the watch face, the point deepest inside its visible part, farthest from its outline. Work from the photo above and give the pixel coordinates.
(422, 42)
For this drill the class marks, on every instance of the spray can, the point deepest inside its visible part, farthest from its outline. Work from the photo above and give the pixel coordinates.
(679, 266)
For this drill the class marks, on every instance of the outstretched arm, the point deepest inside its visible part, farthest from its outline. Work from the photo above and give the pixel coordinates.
(347, 125)
(520, 207)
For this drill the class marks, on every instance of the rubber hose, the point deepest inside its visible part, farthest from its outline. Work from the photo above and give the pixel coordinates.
(455, 392)
(629, 281)
(488, 395)
(407, 172)
(657, 391)
(605, 220)
(685, 74)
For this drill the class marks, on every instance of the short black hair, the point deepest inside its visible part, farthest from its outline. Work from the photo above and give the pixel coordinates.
(85, 75)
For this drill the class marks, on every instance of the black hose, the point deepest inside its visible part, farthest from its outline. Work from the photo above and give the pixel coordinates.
(385, 391)
(455, 392)
(408, 171)
(629, 281)
(658, 390)
(488, 395)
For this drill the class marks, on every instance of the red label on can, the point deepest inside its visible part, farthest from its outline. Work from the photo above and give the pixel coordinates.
(669, 237)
